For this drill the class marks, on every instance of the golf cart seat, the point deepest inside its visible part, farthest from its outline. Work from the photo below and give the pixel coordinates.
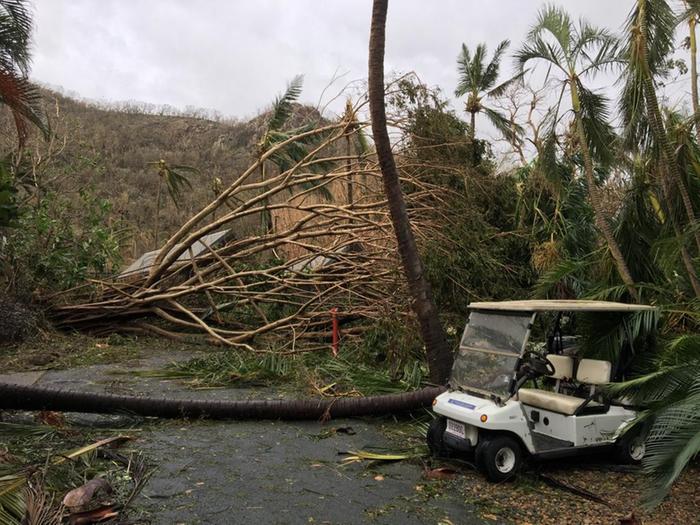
(590, 371)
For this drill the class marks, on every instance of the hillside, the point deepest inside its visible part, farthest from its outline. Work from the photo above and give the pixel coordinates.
(107, 152)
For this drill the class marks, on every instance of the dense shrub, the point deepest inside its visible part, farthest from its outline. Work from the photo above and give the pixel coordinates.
(56, 244)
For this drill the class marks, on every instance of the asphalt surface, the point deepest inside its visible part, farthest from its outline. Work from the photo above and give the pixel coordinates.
(267, 472)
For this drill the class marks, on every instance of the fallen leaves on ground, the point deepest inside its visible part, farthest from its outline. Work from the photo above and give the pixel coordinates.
(530, 500)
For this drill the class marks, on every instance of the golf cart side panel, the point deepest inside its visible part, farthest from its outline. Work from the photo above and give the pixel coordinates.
(469, 409)
(579, 431)
(601, 428)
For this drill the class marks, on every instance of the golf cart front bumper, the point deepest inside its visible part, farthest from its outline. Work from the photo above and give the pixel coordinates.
(466, 444)
(467, 415)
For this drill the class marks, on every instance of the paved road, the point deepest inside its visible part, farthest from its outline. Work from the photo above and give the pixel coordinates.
(265, 472)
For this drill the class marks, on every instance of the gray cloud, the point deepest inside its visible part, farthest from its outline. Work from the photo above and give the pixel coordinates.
(235, 56)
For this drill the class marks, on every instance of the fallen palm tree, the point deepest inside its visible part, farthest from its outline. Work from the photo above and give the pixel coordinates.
(40, 398)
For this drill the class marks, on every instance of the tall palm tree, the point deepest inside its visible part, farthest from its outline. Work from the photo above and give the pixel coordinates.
(691, 17)
(573, 53)
(438, 352)
(650, 29)
(16, 92)
(477, 80)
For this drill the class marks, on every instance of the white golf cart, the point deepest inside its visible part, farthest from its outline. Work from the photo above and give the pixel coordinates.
(510, 397)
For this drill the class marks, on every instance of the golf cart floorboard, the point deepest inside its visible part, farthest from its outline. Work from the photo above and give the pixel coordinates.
(545, 443)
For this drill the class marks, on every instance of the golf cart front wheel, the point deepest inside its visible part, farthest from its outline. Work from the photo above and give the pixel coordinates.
(499, 457)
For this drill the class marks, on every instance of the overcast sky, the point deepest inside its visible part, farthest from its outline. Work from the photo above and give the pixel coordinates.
(235, 56)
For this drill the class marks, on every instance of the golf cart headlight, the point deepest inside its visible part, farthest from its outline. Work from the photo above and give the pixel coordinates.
(484, 418)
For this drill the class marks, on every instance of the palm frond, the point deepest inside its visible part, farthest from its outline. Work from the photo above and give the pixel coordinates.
(595, 119)
(471, 70)
(555, 21)
(510, 130)
(673, 441)
(23, 99)
(501, 89)
(568, 273)
(538, 49)
(283, 105)
(491, 73)
(658, 385)
(660, 22)
(15, 33)
(464, 71)
(599, 47)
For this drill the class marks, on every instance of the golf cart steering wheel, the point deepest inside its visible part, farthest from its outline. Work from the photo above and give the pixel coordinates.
(540, 365)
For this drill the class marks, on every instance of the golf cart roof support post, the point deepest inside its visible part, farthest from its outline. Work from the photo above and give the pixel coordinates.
(513, 380)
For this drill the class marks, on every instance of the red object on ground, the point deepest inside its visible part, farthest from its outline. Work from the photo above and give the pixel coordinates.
(336, 331)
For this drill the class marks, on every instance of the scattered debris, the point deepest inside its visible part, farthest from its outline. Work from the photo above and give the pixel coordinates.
(364, 455)
(84, 494)
(440, 473)
(579, 491)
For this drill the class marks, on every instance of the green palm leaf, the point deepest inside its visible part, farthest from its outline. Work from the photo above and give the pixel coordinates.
(283, 105)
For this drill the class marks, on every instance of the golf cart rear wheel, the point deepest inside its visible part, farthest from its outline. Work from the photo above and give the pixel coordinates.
(436, 432)
(499, 457)
(631, 447)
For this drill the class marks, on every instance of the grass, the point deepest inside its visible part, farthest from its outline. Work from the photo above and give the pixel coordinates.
(316, 373)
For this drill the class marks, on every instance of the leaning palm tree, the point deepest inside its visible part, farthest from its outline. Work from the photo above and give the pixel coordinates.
(438, 352)
(650, 42)
(16, 92)
(573, 53)
(477, 80)
(650, 31)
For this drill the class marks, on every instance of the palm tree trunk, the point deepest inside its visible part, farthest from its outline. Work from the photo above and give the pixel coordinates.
(685, 256)
(694, 74)
(472, 137)
(23, 397)
(438, 352)
(659, 131)
(601, 219)
(158, 198)
(656, 123)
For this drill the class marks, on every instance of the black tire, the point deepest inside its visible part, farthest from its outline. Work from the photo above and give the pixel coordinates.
(630, 448)
(436, 444)
(498, 457)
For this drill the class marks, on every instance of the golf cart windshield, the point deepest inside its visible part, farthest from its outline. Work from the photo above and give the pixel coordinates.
(489, 350)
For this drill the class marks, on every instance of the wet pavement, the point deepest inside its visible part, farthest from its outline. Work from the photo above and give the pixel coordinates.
(269, 472)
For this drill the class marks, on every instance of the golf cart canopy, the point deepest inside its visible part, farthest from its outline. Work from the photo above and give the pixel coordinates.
(559, 305)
